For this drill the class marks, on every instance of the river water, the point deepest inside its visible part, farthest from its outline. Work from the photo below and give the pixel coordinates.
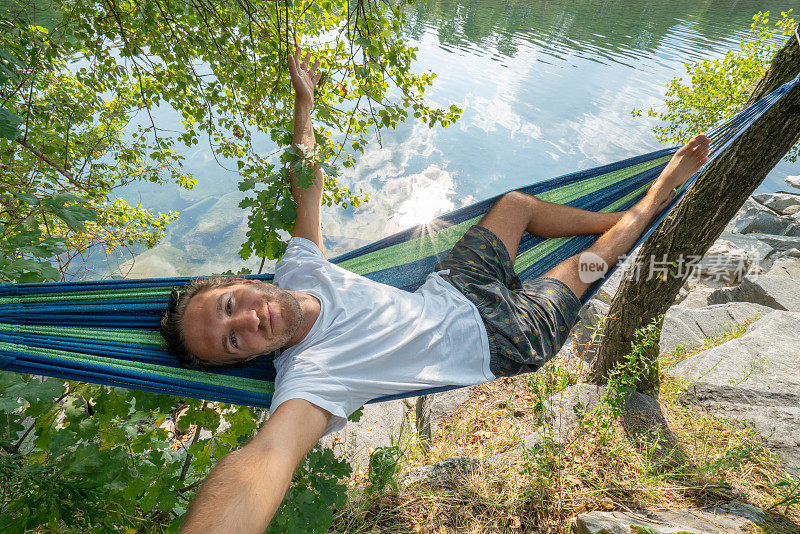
(547, 88)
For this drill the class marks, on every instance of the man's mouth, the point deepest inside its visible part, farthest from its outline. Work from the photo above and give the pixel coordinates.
(269, 319)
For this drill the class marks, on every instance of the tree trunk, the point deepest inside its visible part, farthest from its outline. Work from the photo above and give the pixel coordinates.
(701, 215)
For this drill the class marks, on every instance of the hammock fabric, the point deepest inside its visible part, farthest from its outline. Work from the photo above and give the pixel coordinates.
(106, 332)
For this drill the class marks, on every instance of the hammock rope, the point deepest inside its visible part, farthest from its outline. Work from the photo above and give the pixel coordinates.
(106, 332)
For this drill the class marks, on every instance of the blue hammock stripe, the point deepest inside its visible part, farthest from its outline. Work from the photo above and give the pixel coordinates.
(105, 331)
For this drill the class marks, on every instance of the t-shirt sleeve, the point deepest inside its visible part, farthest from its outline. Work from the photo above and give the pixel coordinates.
(300, 254)
(305, 380)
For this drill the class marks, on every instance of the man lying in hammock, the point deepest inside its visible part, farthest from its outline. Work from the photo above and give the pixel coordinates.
(345, 339)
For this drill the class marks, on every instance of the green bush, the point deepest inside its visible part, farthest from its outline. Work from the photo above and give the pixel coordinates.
(83, 458)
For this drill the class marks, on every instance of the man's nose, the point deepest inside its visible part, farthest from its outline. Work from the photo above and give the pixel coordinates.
(245, 320)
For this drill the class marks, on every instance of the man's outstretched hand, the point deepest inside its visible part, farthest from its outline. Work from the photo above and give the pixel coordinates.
(304, 80)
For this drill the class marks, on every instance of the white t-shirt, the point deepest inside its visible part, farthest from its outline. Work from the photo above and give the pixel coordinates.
(371, 339)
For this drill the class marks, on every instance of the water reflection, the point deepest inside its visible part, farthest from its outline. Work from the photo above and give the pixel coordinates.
(601, 31)
(547, 88)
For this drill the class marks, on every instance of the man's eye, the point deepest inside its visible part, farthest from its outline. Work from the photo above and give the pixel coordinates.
(233, 340)
(228, 307)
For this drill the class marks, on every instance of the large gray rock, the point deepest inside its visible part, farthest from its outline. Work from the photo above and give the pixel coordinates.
(778, 201)
(769, 223)
(754, 380)
(759, 252)
(767, 213)
(786, 266)
(568, 407)
(780, 243)
(382, 424)
(728, 518)
(697, 297)
(778, 292)
(690, 327)
(609, 288)
(747, 213)
(725, 263)
(793, 181)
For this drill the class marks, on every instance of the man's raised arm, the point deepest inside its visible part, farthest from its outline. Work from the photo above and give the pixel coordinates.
(308, 223)
(243, 492)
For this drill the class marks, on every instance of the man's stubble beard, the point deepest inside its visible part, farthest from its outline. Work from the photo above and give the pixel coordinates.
(289, 303)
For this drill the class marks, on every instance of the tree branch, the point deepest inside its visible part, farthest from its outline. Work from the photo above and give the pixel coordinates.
(64, 172)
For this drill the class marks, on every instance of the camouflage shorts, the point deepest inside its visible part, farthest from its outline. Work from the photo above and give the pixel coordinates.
(527, 322)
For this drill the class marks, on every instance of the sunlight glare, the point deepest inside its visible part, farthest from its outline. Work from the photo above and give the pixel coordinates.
(425, 203)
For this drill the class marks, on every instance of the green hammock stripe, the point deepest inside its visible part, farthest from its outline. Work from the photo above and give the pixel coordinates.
(233, 382)
(545, 248)
(133, 337)
(568, 193)
(110, 294)
(538, 252)
(408, 251)
(630, 196)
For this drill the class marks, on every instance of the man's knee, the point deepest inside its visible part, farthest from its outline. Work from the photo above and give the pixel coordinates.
(514, 200)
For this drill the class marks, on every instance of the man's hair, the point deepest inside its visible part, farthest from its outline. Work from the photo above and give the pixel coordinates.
(172, 322)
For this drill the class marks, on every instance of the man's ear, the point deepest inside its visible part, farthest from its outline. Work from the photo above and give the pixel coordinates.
(247, 281)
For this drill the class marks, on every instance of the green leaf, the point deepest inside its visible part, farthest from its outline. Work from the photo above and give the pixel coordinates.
(9, 124)
(8, 404)
(8, 379)
(74, 215)
(355, 417)
(34, 390)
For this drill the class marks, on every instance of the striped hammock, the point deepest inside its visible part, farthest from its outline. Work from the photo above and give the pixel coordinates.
(106, 332)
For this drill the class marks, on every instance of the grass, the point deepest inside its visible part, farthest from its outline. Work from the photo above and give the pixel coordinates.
(680, 459)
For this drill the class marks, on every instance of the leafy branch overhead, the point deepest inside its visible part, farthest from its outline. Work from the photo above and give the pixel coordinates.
(716, 89)
(83, 90)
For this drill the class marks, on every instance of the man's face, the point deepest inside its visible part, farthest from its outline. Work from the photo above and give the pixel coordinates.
(241, 321)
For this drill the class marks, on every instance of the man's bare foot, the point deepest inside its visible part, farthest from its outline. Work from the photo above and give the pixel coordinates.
(684, 163)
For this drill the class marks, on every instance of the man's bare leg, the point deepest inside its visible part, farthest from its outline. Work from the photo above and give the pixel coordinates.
(516, 213)
(618, 240)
